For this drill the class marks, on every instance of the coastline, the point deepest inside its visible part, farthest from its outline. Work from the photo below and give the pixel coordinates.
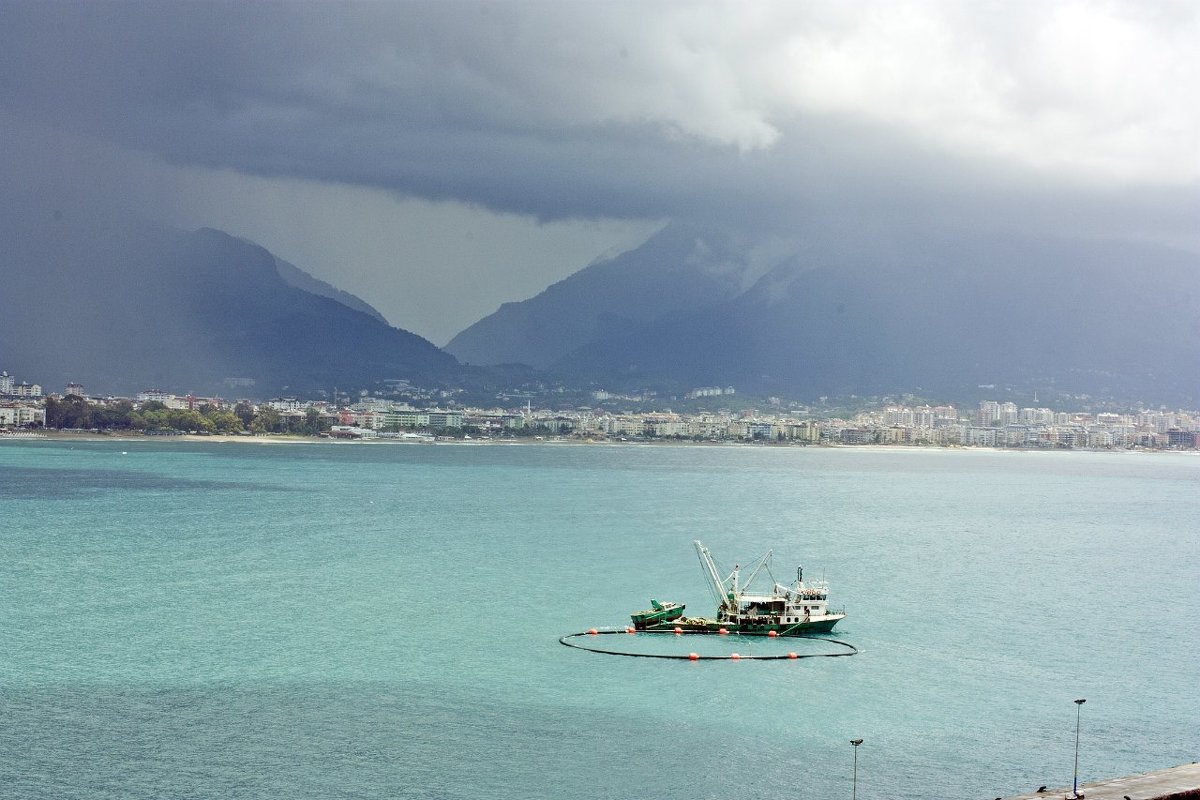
(293, 439)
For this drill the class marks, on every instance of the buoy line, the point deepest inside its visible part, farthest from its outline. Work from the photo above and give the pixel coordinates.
(570, 640)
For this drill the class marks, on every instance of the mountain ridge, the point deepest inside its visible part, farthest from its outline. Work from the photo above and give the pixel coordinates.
(680, 267)
(299, 279)
(119, 304)
(941, 314)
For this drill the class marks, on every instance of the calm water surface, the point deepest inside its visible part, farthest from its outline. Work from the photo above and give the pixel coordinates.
(382, 621)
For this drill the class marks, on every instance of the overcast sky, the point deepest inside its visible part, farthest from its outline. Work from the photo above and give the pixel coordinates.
(439, 158)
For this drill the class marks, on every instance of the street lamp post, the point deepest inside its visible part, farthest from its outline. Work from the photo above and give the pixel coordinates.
(854, 786)
(1078, 707)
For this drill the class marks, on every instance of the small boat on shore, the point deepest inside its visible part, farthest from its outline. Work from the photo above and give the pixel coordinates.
(796, 609)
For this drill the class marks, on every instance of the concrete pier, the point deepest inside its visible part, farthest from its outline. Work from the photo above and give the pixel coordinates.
(1175, 783)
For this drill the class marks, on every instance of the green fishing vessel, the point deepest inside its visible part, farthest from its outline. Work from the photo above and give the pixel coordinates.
(657, 614)
(795, 609)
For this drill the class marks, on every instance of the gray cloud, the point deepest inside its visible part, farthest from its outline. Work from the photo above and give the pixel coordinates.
(429, 97)
(1067, 116)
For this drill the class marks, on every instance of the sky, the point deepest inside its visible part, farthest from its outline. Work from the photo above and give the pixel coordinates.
(441, 158)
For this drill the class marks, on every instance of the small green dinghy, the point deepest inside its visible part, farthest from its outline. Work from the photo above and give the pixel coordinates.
(657, 614)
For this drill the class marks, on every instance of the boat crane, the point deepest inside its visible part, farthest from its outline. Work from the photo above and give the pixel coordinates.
(728, 591)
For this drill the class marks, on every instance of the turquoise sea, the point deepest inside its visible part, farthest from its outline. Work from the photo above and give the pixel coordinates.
(240, 620)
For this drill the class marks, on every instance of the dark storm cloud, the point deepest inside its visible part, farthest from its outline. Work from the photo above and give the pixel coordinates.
(769, 114)
(419, 100)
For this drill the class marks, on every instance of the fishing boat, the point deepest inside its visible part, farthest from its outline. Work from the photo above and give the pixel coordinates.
(656, 614)
(795, 609)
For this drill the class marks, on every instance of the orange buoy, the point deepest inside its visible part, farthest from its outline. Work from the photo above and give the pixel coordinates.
(791, 655)
(723, 631)
(734, 657)
(772, 634)
(693, 657)
(592, 631)
(678, 630)
(629, 630)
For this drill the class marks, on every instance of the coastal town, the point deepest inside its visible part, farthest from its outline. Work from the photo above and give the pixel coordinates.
(412, 413)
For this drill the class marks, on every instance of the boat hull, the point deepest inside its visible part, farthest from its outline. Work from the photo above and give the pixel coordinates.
(645, 620)
(698, 625)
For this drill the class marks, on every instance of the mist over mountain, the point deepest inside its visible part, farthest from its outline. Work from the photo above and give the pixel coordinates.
(299, 279)
(119, 304)
(939, 315)
(682, 267)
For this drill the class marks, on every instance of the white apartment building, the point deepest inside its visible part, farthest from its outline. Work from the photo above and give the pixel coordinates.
(981, 437)
(708, 427)
(1036, 416)
(663, 426)
(16, 415)
(285, 404)
(624, 426)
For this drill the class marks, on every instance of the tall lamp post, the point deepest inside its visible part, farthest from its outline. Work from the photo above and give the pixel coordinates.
(1078, 708)
(854, 786)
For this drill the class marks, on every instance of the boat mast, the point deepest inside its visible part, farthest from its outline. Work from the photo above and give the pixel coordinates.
(763, 561)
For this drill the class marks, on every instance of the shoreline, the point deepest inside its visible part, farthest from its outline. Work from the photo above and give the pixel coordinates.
(292, 439)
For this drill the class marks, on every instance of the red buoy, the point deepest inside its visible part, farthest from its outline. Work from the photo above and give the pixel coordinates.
(734, 657)
(629, 630)
(791, 655)
(722, 631)
(693, 657)
(592, 631)
(772, 634)
(678, 630)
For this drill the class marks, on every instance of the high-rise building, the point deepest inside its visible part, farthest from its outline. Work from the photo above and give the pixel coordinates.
(988, 413)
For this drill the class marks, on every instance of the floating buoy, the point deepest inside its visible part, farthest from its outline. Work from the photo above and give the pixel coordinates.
(772, 634)
(678, 630)
(723, 631)
(693, 657)
(734, 657)
(629, 630)
(792, 655)
(592, 631)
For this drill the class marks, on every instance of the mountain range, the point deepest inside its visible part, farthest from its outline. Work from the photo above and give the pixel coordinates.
(121, 304)
(828, 313)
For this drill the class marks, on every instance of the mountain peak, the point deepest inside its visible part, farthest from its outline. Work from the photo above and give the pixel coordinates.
(131, 304)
